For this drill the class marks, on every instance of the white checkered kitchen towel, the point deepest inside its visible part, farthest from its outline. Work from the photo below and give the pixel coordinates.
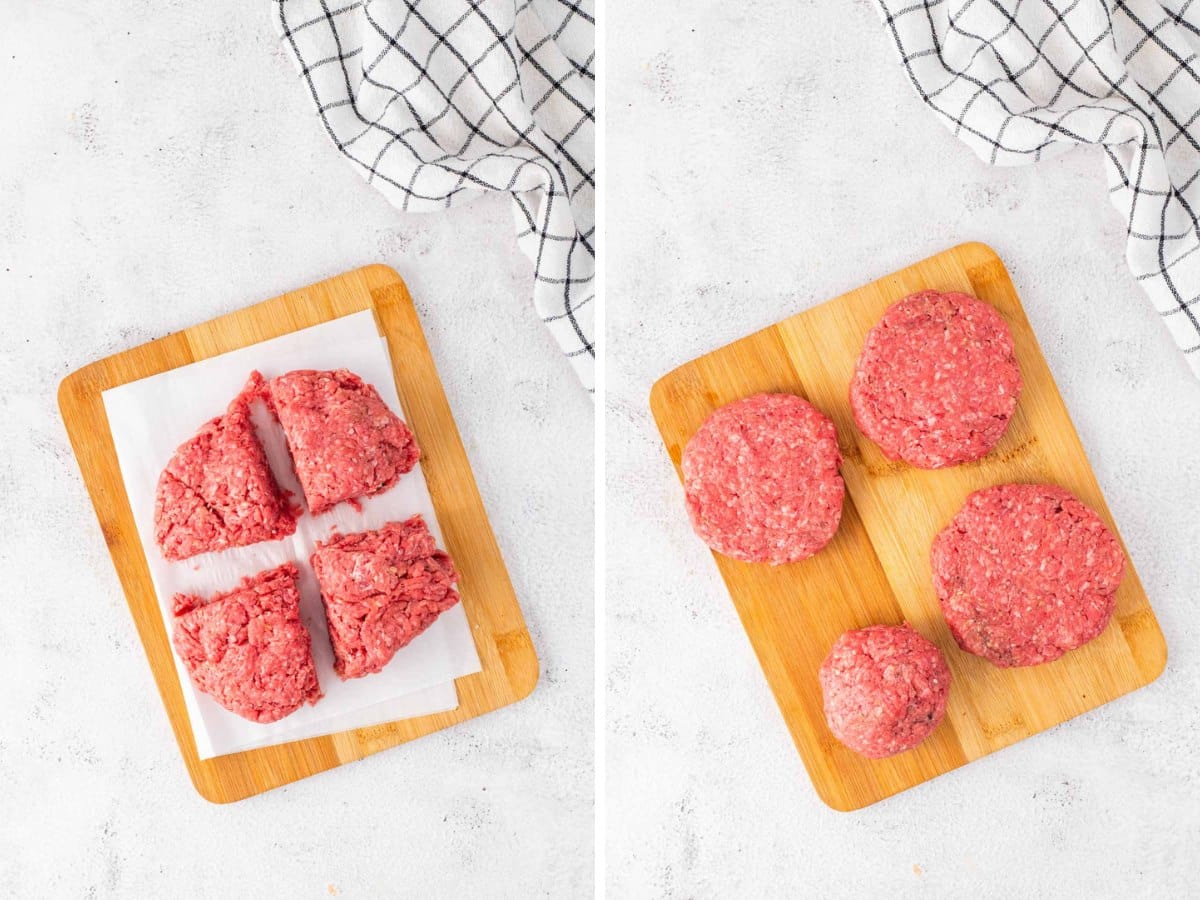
(436, 102)
(1018, 80)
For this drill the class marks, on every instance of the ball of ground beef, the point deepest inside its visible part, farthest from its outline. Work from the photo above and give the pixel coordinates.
(885, 689)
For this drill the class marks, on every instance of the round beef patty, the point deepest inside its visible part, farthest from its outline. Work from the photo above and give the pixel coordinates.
(761, 479)
(937, 380)
(1024, 573)
(885, 689)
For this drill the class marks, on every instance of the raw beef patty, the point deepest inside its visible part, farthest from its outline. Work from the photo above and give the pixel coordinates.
(217, 491)
(381, 589)
(885, 689)
(937, 380)
(1024, 573)
(761, 479)
(247, 648)
(345, 442)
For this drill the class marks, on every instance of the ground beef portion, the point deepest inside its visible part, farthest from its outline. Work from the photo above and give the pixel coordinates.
(381, 589)
(1024, 573)
(761, 479)
(345, 442)
(937, 381)
(247, 648)
(885, 689)
(218, 492)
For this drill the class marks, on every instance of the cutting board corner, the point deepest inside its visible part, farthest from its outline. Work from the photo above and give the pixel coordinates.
(380, 273)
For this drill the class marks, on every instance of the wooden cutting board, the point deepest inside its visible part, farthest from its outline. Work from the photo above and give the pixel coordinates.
(876, 569)
(510, 666)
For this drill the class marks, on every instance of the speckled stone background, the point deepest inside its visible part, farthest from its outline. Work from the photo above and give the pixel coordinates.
(160, 164)
(765, 157)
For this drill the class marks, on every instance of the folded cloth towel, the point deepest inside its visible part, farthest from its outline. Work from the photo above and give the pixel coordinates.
(1019, 80)
(437, 102)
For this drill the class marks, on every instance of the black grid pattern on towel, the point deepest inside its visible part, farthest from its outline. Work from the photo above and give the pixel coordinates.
(437, 102)
(1018, 80)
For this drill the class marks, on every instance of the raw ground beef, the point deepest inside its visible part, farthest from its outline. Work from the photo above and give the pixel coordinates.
(247, 648)
(218, 492)
(937, 381)
(1024, 573)
(345, 442)
(761, 479)
(381, 589)
(885, 689)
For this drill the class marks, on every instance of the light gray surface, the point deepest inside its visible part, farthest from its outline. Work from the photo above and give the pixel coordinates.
(766, 157)
(160, 165)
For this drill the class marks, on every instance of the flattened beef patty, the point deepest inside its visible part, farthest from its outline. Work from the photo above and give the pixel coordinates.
(937, 381)
(761, 479)
(1025, 572)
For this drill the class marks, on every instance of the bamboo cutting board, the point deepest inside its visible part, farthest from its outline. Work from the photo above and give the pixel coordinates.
(876, 569)
(510, 666)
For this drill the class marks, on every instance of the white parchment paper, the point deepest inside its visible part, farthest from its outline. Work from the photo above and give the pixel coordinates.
(150, 418)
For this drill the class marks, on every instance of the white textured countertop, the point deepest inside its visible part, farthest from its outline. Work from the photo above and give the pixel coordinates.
(161, 164)
(766, 157)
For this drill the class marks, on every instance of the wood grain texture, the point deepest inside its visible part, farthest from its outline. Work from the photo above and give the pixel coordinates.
(510, 666)
(876, 569)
